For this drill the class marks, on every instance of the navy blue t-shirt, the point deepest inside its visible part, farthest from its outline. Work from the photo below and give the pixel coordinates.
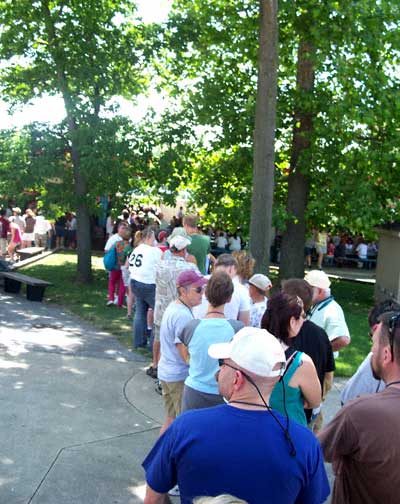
(225, 449)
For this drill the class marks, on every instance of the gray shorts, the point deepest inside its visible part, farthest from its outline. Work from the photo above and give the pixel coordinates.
(194, 399)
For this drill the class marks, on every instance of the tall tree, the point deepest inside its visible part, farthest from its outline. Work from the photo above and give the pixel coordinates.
(264, 135)
(87, 52)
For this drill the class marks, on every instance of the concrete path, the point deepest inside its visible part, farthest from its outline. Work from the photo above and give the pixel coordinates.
(77, 412)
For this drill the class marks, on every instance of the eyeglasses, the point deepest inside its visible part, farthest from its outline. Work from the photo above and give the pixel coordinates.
(392, 329)
(198, 289)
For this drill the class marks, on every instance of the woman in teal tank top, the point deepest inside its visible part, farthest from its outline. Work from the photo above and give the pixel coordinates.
(284, 318)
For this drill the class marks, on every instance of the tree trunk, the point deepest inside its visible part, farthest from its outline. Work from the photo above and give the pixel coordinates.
(264, 136)
(293, 240)
(83, 232)
(84, 247)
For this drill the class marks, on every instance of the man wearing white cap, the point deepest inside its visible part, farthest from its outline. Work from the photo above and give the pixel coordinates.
(167, 271)
(243, 448)
(326, 312)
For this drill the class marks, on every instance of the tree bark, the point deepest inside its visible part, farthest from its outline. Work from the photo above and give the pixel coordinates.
(264, 136)
(293, 240)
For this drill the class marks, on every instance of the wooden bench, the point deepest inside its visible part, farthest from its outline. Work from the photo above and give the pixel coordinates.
(34, 286)
(27, 252)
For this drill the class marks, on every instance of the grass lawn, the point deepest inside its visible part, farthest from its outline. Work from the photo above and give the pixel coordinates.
(89, 302)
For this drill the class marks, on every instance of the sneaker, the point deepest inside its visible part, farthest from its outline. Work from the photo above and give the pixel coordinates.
(174, 492)
(110, 303)
(152, 372)
(158, 388)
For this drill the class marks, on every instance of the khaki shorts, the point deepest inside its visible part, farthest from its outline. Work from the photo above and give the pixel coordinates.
(3, 246)
(172, 394)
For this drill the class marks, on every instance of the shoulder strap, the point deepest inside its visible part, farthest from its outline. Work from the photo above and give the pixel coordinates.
(291, 365)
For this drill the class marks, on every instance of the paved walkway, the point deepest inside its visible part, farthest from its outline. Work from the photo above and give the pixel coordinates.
(78, 413)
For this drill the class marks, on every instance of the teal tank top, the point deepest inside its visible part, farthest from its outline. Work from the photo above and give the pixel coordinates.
(293, 395)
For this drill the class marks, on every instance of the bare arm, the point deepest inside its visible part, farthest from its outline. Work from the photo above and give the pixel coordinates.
(308, 382)
(328, 382)
(244, 316)
(339, 343)
(183, 352)
(153, 497)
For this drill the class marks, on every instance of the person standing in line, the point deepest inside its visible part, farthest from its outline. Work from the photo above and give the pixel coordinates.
(259, 285)
(142, 269)
(4, 229)
(363, 381)
(200, 246)
(200, 389)
(238, 308)
(243, 447)
(326, 312)
(15, 240)
(28, 236)
(314, 341)
(116, 285)
(167, 272)
(42, 231)
(18, 219)
(362, 441)
(172, 368)
(321, 246)
(284, 318)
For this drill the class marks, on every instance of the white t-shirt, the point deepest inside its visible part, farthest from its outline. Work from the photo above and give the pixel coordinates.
(235, 244)
(112, 241)
(257, 311)
(41, 225)
(222, 242)
(142, 263)
(329, 315)
(362, 250)
(240, 302)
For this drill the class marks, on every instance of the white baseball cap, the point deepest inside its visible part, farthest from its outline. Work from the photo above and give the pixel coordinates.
(317, 278)
(253, 349)
(260, 281)
(179, 242)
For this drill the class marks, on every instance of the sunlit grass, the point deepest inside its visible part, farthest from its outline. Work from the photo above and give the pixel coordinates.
(89, 302)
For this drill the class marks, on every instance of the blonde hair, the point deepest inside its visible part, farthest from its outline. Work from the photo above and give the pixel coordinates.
(220, 499)
(143, 235)
(246, 264)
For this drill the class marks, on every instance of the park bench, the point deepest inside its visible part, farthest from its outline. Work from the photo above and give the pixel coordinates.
(34, 286)
(28, 252)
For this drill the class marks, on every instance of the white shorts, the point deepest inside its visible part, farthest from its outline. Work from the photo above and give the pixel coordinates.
(28, 236)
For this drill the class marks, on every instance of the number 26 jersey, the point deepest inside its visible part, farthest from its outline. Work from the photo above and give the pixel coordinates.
(142, 263)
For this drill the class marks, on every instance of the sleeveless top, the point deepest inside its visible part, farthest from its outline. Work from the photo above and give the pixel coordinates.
(17, 235)
(293, 396)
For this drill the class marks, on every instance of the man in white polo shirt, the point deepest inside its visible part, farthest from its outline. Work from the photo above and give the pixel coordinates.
(326, 312)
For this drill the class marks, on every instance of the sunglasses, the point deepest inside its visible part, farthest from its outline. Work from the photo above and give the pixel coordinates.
(198, 289)
(392, 329)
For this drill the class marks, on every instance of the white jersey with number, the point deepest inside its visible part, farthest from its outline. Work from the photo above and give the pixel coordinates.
(142, 263)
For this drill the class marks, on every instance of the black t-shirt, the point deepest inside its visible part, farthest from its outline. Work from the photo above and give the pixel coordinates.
(314, 341)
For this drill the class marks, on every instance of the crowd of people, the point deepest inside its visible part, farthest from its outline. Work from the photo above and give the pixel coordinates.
(19, 230)
(244, 375)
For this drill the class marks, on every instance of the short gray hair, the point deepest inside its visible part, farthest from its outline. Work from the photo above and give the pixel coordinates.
(220, 499)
